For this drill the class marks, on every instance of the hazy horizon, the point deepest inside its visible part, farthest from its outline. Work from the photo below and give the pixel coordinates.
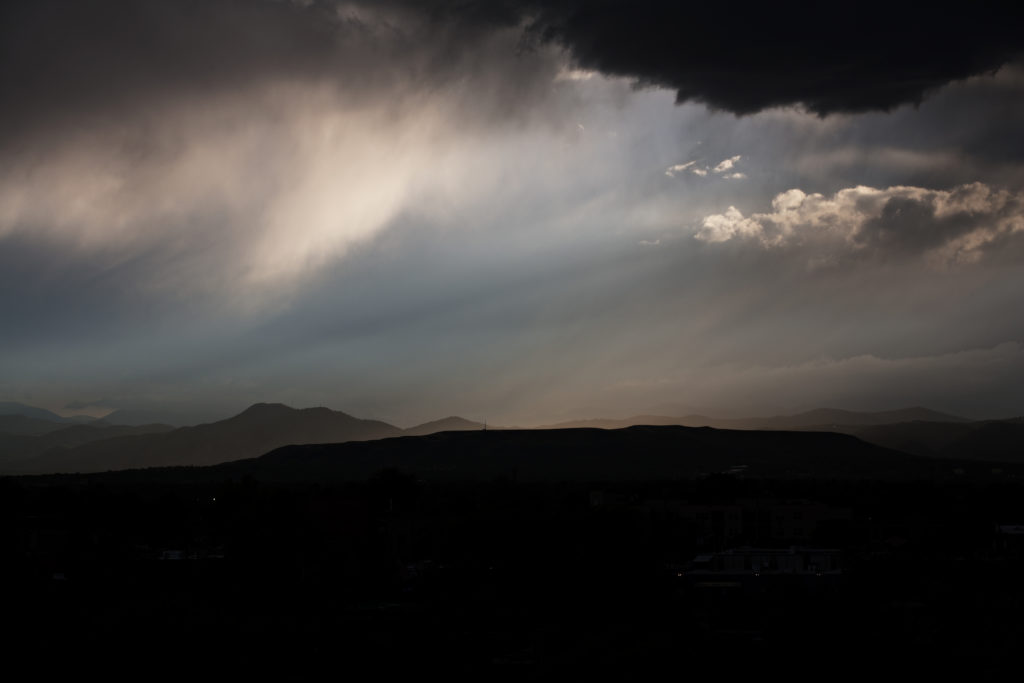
(516, 211)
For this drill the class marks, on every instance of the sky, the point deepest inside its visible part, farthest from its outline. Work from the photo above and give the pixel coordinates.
(514, 211)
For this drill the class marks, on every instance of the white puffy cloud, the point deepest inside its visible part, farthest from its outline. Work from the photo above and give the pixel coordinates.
(702, 171)
(725, 226)
(945, 226)
(726, 164)
(678, 168)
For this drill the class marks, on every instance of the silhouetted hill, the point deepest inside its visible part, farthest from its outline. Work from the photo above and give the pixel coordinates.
(526, 554)
(265, 427)
(251, 433)
(831, 416)
(642, 453)
(918, 431)
(820, 418)
(634, 453)
(612, 423)
(993, 440)
(448, 424)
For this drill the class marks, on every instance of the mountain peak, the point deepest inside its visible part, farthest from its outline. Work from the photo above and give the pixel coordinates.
(281, 410)
(267, 408)
(10, 408)
(452, 423)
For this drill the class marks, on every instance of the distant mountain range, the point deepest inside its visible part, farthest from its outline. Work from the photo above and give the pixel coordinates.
(30, 444)
(28, 426)
(9, 409)
(17, 450)
(257, 430)
(141, 416)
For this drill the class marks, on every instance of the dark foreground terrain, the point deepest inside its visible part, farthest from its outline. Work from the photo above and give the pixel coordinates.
(629, 554)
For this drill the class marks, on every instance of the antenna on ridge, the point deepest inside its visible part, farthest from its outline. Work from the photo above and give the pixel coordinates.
(485, 425)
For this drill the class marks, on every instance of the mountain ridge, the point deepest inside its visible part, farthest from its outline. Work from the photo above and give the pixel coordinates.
(452, 423)
(256, 430)
(818, 417)
(264, 427)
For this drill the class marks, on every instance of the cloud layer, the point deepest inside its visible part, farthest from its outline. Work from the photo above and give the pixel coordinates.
(61, 62)
(961, 225)
(408, 209)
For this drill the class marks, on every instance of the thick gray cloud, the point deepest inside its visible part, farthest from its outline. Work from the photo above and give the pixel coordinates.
(69, 66)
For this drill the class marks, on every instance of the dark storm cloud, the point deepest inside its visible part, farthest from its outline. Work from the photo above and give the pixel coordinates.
(745, 57)
(70, 63)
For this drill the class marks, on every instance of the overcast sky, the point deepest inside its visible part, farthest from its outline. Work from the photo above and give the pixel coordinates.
(514, 211)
